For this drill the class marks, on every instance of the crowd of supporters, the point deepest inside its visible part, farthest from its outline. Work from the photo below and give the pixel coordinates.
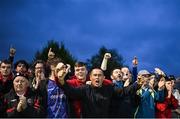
(46, 90)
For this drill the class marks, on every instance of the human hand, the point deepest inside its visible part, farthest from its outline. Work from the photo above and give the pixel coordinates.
(51, 54)
(135, 61)
(12, 51)
(107, 55)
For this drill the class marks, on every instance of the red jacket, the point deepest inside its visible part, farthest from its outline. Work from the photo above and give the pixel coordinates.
(74, 82)
(5, 86)
(163, 109)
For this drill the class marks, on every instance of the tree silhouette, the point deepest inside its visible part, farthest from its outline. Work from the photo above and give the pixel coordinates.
(115, 61)
(59, 50)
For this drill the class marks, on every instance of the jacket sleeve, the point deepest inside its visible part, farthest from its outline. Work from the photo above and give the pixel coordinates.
(159, 96)
(127, 90)
(134, 72)
(174, 102)
(11, 59)
(168, 103)
(74, 92)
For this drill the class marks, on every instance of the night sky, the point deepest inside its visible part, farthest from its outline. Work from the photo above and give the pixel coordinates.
(148, 29)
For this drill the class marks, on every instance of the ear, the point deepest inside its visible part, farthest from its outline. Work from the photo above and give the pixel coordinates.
(86, 72)
(90, 78)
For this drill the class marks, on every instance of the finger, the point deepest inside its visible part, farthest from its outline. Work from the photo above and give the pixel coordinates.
(50, 49)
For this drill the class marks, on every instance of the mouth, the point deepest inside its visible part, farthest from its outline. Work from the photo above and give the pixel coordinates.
(97, 82)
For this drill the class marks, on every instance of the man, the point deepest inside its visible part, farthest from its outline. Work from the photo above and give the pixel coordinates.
(39, 70)
(6, 81)
(79, 79)
(21, 66)
(53, 97)
(96, 97)
(148, 96)
(19, 102)
(6, 77)
(123, 107)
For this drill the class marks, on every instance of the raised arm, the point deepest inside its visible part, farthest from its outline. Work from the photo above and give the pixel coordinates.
(105, 60)
(134, 71)
(12, 52)
(76, 93)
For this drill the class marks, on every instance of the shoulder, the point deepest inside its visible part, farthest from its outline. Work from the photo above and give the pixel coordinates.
(107, 82)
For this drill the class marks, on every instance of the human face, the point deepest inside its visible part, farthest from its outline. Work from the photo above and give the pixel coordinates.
(39, 68)
(173, 83)
(80, 72)
(125, 73)
(60, 70)
(146, 79)
(21, 68)
(168, 85)
(116, 74)
(96, 77)
(5, 69)
(20, 84)
(152, 80)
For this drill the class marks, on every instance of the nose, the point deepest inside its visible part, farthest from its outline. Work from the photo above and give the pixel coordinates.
(19, 82)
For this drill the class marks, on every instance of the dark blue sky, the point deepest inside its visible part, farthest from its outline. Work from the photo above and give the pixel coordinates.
(149, 29)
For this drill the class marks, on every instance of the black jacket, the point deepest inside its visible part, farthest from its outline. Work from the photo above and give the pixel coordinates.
(96, 101)
(11, 101)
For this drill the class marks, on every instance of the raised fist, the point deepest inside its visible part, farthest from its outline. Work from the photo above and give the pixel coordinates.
(107, 55)
(135, 61)
(12, 51)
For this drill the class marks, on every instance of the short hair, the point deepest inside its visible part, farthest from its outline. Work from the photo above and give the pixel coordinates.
(6, 61)
(21, 62)
(79, 64)
(96, 68)
(115, 69)
(38, 62)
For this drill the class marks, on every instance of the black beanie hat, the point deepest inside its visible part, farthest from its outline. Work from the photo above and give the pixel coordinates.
(167, 78)
(172, 77)
(20, 74)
